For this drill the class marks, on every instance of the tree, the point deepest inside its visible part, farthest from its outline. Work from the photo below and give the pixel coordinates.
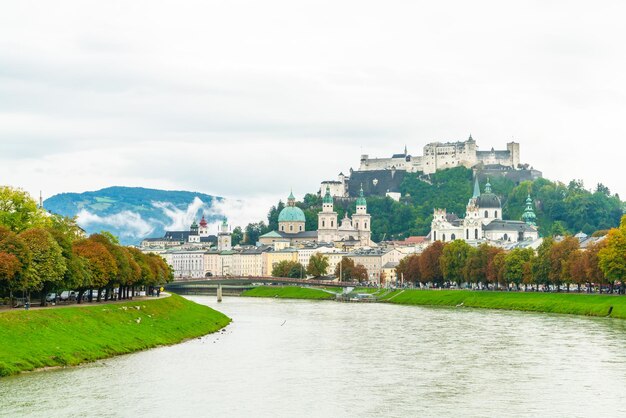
(516, 265)
(559, 261)
(18, 211)
(348, 271)
(453, 260)
(577, 264)
(47, 267)
(542, 263)
(612, 258)
(10, 266)
(254, 231)
(12, 245)
(100, 263)
(318, 265)
(592, 264)
(494, 264)
(429, 265)
(237, 236)
(408, 270)
(287, 268)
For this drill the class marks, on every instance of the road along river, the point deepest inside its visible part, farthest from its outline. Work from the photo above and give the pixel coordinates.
(301, 358)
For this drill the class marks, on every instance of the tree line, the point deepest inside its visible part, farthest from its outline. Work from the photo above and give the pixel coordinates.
(346, 270)
(557, 263)
(42, 252)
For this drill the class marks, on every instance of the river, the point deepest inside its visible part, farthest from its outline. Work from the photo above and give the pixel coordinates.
(301, 358)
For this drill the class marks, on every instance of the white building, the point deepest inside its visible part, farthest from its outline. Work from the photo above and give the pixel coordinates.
(187, 263)
(358, 227)
(483, 221)
(442, 155)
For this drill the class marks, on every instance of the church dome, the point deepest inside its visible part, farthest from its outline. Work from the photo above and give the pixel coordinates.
(291, 214)
(488, 201)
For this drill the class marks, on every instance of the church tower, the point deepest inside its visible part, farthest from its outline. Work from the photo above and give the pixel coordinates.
(361, 220)
(529, 214)
(327, 220)
(224, 242)
(203, 229)
(472, 224)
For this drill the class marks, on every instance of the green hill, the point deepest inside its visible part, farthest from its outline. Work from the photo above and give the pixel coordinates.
(560, 208)
(133, 213)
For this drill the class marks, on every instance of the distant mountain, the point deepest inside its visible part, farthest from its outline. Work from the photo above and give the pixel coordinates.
(133, 213)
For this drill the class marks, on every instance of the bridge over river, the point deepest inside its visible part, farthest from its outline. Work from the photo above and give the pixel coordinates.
(236, 284)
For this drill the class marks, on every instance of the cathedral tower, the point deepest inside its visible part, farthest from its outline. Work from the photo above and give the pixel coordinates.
(327, 219)
(361, 220)
(224, 240)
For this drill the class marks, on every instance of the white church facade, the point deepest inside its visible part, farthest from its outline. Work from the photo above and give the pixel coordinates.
(483, 221)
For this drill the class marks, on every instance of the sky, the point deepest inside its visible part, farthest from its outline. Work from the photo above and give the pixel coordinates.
(249, 99)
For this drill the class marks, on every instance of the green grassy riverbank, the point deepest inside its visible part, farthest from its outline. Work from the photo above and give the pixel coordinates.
(561, 303)
(68, 336)
(289, 292)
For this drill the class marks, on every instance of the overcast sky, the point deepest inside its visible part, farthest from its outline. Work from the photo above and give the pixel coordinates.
(247, 99)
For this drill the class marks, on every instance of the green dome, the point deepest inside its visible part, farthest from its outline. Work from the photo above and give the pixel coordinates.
(291, 214)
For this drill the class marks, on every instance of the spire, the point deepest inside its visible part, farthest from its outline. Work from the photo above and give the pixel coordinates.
(529, 214)
(405, 151)
(470, 138)
(488, 186)
(291, 200)
(40, 200)
(327, 197)
(476, 189)
(361, 199)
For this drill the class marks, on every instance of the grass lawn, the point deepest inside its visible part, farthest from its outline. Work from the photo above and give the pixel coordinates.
(68, 336)
(288, 292)
(563, 303)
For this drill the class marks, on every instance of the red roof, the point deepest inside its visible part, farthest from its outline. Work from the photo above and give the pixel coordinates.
(203, 222)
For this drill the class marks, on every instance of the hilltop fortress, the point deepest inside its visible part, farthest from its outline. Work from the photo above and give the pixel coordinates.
(383, 176)
(442, 155)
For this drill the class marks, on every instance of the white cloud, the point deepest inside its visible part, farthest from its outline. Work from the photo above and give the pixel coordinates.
(197, 95)
(181, 218)
(130, 223)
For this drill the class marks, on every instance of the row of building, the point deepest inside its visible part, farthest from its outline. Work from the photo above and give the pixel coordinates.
(258, 261)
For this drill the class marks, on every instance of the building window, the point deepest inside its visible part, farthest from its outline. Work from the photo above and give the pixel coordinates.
(365, 225)
(467, 234)
(291, 227)
(300, 227)
(506, 237)
(332, 224)
(452, 237)
(443, 237)
(476, 233)
(486, 214)
(323, 224)
(495, 214)
(282, 227)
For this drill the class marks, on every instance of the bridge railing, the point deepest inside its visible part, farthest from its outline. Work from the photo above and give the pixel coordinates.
(265, 279)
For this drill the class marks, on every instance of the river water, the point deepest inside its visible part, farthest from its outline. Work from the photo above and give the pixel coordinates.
(301, 358)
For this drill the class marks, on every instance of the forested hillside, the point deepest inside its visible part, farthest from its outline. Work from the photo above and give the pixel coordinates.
(560, 208)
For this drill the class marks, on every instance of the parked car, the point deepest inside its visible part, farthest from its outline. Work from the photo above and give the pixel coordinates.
(51, 297)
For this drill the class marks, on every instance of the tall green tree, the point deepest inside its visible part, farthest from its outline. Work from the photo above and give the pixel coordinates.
(47, 267)
(18, 211)
(453, 260)
(318, 265)
(612, 258)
